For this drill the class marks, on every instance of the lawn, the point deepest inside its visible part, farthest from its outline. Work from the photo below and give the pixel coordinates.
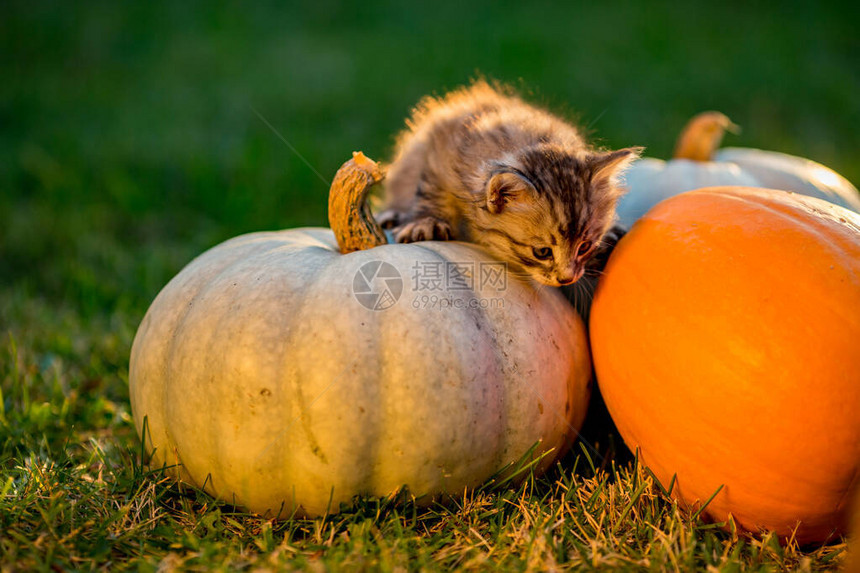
(134, 137)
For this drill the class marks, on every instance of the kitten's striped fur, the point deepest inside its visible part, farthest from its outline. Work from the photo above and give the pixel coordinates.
(483, 166)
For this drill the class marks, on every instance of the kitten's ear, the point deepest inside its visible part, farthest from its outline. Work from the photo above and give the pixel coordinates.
(504, 188)
(610, 164)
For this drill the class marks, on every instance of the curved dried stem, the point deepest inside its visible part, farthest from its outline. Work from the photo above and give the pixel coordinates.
(349, 214)
(702, 135)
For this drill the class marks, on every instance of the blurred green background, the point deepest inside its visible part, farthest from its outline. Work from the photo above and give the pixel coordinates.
(129, 142)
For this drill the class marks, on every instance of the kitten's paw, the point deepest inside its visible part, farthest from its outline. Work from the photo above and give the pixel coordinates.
(424, 229)
(388, 219)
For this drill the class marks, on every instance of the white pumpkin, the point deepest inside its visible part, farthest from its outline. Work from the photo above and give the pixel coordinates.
(697, 163)
(265, 380)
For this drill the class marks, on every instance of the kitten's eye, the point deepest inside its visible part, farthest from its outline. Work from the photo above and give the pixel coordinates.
(542, 253)
(583, 248)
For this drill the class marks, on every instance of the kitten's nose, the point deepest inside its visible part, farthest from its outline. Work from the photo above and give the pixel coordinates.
(570, 276)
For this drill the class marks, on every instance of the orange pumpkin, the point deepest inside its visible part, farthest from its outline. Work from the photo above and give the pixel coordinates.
(726, 339)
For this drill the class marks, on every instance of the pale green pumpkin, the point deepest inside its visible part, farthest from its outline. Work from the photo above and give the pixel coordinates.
(698, 163)
(264, 379)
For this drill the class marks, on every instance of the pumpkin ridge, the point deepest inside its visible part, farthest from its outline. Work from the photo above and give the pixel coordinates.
(190, 305)
(216, 286)
(299, 410)
(799, 213)
(798, 204)
(837, 188)
(485, 340)
(798, 216)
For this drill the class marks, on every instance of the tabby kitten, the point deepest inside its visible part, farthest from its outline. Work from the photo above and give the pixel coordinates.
(483, 166)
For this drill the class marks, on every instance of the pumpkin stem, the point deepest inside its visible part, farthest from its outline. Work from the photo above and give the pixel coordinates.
(702, 135)
(349, 214)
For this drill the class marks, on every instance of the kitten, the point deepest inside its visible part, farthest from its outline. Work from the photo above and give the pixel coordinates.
(482, 166)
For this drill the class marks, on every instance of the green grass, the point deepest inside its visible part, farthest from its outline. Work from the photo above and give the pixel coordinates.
(75, 494)
(128, 144)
